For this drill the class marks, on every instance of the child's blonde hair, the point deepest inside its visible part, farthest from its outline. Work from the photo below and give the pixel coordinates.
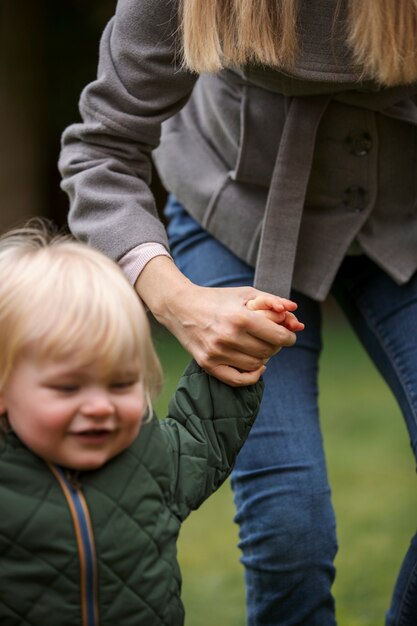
(64, 298)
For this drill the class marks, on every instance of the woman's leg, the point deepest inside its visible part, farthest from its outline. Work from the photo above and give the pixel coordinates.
(287, 527)
(384, 315)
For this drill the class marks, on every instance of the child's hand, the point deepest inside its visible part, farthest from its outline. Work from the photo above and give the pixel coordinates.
(280, 314)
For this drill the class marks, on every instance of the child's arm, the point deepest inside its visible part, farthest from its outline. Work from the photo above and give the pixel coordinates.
(209, 421)
(207, 425)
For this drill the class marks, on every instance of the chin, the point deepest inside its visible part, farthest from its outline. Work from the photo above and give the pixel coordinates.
(91, 464)
(83, 464)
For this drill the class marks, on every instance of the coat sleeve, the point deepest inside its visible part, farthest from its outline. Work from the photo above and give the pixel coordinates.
(207, 425)
(105, 161)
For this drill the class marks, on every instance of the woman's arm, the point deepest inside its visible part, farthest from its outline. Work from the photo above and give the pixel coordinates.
(105, 161)
(105, 164)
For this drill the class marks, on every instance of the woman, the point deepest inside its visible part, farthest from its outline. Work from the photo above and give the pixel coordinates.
(289, 140)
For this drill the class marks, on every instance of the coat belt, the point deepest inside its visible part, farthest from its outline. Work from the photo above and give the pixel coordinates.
(287, 192)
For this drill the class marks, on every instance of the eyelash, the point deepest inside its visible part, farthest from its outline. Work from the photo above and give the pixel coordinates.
(123, 385)
(65, 388)
(116, 386)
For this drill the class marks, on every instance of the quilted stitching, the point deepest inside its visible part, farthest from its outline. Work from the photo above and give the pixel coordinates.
(133, 518)
(15, 549)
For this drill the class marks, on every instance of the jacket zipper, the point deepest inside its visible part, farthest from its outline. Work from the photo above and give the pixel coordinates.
(85, 541)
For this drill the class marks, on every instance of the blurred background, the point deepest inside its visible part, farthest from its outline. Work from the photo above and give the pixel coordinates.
(48, 52)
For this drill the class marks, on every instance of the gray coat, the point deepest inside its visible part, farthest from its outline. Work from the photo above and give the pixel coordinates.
(286, 170)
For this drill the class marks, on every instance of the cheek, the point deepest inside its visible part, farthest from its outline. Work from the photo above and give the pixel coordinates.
(133, 413)
(37, 433)
(38, 422)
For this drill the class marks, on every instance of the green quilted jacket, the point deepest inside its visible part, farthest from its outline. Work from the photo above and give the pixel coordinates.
(99, 547)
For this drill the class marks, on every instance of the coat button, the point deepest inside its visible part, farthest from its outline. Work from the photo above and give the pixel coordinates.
(355, 198)
(359, 142)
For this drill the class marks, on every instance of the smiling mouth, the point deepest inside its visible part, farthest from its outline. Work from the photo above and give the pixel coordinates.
(92, 436)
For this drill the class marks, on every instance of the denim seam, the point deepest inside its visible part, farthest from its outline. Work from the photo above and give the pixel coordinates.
(385, 346)
(403, 610)
(391, 356)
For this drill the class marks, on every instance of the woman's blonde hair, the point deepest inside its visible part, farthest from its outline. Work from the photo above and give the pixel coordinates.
(64, 298)
(382, 35)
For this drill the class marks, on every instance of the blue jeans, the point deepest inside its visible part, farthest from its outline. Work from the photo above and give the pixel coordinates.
(281, 490)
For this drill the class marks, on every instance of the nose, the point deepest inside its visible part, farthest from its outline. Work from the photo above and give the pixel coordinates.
(97, 404)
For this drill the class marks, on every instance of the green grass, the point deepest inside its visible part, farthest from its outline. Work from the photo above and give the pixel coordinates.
(372, 474)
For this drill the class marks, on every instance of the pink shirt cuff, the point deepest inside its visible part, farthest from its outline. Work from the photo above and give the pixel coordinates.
(133, 262)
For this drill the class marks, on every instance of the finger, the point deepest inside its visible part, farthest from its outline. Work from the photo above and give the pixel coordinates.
(267, 331)
(268, 301)
(264, 302)
(237, 359)
(231, 351)
(287, 319)
(292, 323)
(234, 377)
(277, 318)
(289, 339)
(289, 305)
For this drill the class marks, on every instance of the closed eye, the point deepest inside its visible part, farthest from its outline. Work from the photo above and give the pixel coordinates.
(123, 384)
(64, 388)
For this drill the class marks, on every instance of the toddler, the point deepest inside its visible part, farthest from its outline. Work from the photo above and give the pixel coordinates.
(93, 488)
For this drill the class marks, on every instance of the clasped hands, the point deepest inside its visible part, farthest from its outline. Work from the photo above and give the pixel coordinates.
(231, 332)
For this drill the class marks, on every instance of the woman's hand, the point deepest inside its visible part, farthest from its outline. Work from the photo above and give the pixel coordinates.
(228, 339)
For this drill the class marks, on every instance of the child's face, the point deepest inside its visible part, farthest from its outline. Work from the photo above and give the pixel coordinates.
(72, 415)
